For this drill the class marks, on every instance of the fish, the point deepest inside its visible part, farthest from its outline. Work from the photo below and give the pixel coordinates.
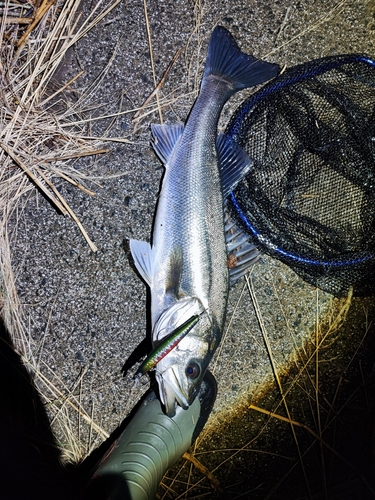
(186, 263)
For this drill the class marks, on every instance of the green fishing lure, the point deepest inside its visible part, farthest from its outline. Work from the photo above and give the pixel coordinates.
(166, 346)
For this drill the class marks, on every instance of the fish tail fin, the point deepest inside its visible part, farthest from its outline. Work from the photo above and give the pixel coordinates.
(226, 60)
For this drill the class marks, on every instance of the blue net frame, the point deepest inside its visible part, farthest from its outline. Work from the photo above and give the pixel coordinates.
(309, 199)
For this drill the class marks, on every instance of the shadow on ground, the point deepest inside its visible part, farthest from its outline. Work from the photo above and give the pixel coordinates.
(29, 458)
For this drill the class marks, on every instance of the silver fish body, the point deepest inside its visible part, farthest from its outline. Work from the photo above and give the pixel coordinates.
(186, 266)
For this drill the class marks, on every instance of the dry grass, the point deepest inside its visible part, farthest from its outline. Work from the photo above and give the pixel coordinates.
(300, 391)
(42, 131)
(39, 138)
(307, 394)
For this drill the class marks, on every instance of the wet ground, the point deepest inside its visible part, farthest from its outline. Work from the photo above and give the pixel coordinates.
(87, 311)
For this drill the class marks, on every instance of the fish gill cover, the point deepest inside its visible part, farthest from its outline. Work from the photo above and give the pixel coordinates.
(309, 199)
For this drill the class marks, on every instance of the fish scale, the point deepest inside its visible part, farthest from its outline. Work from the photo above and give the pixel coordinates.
(193, 184)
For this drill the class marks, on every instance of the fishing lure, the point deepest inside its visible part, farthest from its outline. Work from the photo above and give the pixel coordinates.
(166, 346)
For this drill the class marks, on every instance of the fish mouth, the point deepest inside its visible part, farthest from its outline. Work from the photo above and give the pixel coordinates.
(171, 392)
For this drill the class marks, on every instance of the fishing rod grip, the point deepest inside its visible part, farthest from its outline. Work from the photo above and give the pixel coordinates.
(152, 442)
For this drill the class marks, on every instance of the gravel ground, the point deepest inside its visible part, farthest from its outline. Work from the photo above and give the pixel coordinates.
(87, 311)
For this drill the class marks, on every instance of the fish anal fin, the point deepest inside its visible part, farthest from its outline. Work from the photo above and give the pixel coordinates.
(241, 252)
(165, 139)
(234, 163)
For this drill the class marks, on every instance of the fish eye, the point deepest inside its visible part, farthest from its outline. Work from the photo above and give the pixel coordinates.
(193, 370)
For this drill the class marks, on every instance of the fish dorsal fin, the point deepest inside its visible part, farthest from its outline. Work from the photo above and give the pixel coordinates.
(165, 138)
(241, 253)
(234, 163)
(143, 259)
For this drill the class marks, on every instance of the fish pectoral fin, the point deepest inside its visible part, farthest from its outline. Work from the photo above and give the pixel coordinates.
(234, 163)
(143, 259)
(241, 252)
(165, 139)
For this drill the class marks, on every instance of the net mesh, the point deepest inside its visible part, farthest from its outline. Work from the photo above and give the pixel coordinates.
(309, 199)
